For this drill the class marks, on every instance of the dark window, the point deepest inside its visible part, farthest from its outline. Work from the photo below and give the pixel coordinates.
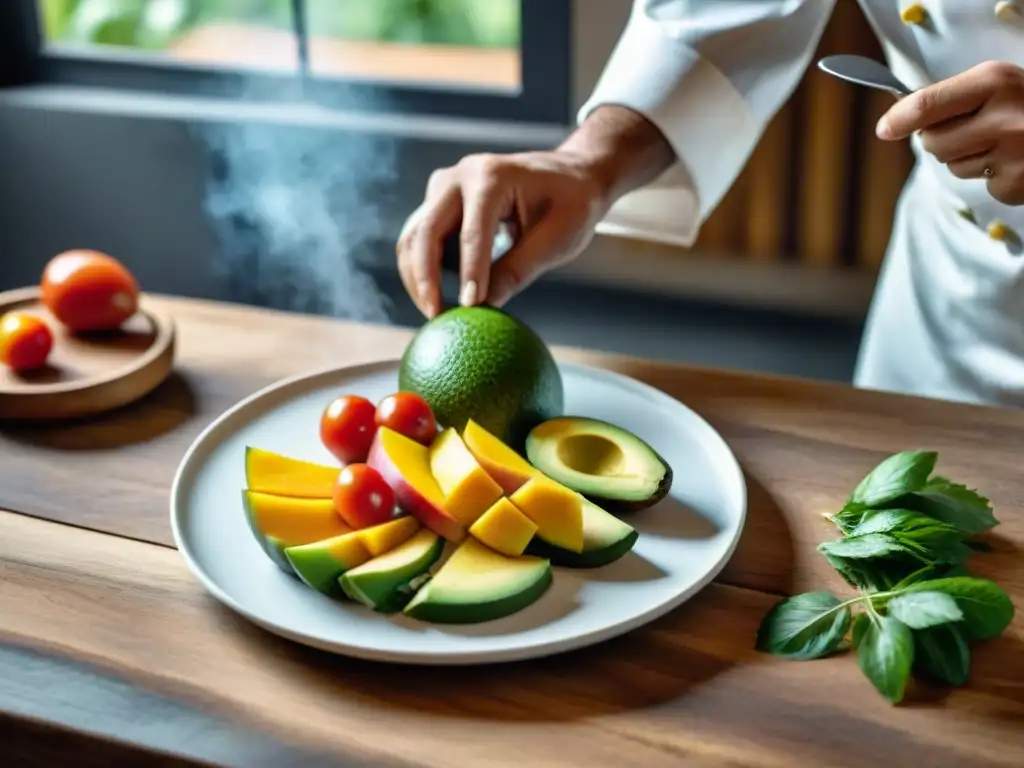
(498, 59)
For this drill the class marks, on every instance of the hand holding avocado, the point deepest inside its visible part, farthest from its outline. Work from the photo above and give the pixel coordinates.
(552, 200)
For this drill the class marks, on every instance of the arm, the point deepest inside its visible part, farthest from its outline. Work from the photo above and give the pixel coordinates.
(707, 76)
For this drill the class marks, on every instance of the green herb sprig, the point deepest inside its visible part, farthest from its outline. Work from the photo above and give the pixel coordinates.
(906, 538)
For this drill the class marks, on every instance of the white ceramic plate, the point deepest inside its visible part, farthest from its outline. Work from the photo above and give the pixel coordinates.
(685, 540)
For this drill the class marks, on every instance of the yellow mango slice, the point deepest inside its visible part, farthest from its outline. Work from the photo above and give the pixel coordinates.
(468, 490)
(556, 511)
(269, 472)
(386, 536)
(504, 528)
(508, 468)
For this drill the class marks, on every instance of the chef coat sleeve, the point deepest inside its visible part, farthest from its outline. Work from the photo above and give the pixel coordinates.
(710, 74)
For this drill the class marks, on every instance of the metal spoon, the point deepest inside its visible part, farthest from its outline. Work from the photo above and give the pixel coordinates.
(864, 71)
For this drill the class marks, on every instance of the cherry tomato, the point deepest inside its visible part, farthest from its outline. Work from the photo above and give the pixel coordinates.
(347, 428)
(363, 497)
(89, 291)
(409, 414)
(25, 341)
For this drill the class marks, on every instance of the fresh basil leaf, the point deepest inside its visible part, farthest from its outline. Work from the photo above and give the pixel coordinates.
(899, 474)
(868, 545)
(929, 539)
(895, 520)
(935, 551)
(860, 625)
(874, 574)
(959, 506)
(987, 609)
(805, 626)
(849, 516)
(942, 652)
(885, 654)
(934, 571)
(919, 610)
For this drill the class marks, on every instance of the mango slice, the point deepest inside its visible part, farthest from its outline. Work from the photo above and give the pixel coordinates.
(468, 490)
(508, 468)
(556, 511)
(504, 528)
(269, 472)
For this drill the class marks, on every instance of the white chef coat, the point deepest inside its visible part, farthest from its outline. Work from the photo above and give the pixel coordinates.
(947, 318)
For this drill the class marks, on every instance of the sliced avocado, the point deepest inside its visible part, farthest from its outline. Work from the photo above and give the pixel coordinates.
(320, 563)
(271, 545)
(383, 583)
(477, 584)
(279, 522)
(605, 540)
(607, 464)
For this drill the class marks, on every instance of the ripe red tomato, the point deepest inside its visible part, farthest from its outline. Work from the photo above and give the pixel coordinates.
(363, 497)
(89, 291)
(347, 428)
(25, 341)
(409, 414)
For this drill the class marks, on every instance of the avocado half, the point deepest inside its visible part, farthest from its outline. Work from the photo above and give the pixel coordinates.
(601, 461)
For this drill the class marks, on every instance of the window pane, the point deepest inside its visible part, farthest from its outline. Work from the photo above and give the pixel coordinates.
(445, 42)
(235, 33)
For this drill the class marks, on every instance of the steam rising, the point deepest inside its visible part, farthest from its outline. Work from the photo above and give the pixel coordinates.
(296, 210)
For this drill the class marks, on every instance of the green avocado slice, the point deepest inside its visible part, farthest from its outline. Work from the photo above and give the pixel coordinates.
(477, 584)
(605, 463)
(320, 563)
(383, 583)
(606, 538)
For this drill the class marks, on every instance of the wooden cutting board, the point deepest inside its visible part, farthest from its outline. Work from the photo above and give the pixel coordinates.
(90, 373)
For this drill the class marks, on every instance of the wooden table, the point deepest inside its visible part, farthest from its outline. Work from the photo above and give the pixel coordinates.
(99, 582)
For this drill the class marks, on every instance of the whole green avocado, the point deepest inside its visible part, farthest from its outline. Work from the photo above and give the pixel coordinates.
(483, 364)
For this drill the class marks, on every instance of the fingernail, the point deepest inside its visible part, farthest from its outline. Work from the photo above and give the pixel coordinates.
(468, 296)
(882, 129)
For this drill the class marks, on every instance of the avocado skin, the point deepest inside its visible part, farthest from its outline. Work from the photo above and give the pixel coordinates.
(592, 559)
(482, 363)
(475, 613)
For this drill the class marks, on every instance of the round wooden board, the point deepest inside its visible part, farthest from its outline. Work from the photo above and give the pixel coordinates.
(90, 373)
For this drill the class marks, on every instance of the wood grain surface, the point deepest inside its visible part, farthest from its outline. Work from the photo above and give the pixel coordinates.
(687, 689)
(803, 445)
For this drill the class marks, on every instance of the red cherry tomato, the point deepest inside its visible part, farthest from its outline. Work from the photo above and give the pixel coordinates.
(409, 414)
(363, 497)
(89, 290)
(25, 341)
(347, 428)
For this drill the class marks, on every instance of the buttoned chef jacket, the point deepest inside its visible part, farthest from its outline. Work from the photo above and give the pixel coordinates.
(947, 317)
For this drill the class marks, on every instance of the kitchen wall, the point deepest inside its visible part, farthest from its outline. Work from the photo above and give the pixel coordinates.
(144, 177)
(133, 176)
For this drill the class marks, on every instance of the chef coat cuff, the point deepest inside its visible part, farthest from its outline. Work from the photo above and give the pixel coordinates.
(701, 114)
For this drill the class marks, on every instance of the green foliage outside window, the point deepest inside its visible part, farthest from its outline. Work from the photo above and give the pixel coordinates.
(155, 24)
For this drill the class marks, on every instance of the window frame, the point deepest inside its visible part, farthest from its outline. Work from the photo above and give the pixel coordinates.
(544, 96)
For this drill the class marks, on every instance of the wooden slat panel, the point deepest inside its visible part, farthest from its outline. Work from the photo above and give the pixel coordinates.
(819, 188)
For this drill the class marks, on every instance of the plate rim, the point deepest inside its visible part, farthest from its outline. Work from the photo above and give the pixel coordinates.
(457, 658)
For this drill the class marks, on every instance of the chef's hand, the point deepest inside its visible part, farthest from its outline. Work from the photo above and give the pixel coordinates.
(552, 201)
(973, 122)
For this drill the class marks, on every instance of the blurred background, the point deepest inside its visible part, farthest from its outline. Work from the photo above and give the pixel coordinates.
(207, 188)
